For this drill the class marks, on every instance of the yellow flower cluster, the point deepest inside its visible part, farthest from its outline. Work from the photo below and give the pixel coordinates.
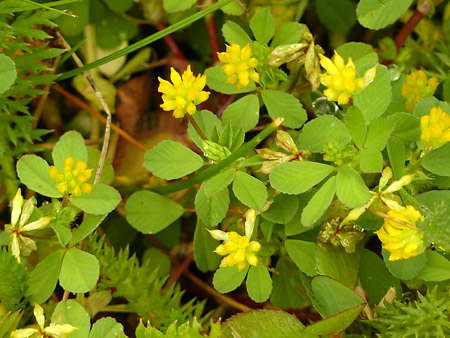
(416, 87)
(341, 78)
(401, 237)
(51, 331)
(238, 250)
(239, 65)
(72, 180)
(435, 128)
(184, 93)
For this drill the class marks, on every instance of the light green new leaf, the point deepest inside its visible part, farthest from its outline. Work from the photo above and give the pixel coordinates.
(100, 201)
(335, 323)
(282, 210)
(259, 283)
(216, 80)
(33, 172)
(8, 72)
(356, 126)
(405, 269)
(362, 54)
(79, 271)
(397, 156)
(219, 182)
(43, 278)
(375, 277)
(438, 161)
(350, 187)
(149, 212)
(249, 190)
(234, 8)
(288, 34)
(242, 113)
(373, 100)
(208, 123)
(314, 137)
(296, 177)
(212, 209)
(370, 161)
(437, 268)
(63, 233)
(178, 5)
(232, 32)
(378, 133)
(73, 313)
(262, 26)
(376, 14)
(171, 160)
(71, 143)
(229, 278)
(319, 203)
(287, 106)
(337, 15)
(303, 255)
(204, 245)
(264, 324)
(332, 297)
(106, 327)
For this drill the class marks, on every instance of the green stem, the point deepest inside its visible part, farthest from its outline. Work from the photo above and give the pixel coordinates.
(9, 170)
(148, 40)
(181, 185)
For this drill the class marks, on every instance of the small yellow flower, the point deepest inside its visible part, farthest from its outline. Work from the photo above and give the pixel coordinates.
(341, 78)
(237, 249)
(52, 331)
(72, 180)
(184, 93)
(239, 65)
(19, 243)
(416, 87)
(401, 240)
(435, 128)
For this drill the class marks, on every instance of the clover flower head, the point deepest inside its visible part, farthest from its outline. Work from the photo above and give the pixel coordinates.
(341, 80)
(239, 65)
(72, 180)
(19, 243)
(416, 87)
(184, 93)
(51, 331)
(401, 238)
(435, 128)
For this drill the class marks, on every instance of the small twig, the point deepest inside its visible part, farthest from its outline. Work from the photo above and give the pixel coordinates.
(107, 136)
(65, 296)
(102, 119)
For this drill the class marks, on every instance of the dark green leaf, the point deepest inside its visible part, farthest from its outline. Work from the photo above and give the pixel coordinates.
(282, 210)
(259, 283)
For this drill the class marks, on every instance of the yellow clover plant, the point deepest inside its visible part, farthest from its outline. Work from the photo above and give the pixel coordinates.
(236, 249)
(416, 87)
(72, 179)
(184, 93)
(341, 80)
(435, 129)
(19, 242)
(239, 65)
(51, 331)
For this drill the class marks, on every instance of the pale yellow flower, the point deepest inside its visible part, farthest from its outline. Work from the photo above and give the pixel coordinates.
(184, 93)
(51, 331)
(401, 238)
(19, 243)
(72, 180)
(416, 87)
(435, 128)
(341, 78)
(239, 65)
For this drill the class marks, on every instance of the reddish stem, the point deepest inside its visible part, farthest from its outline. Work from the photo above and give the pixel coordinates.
(180, 270)
(173, 46)
(213, 36)
(407, 29)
